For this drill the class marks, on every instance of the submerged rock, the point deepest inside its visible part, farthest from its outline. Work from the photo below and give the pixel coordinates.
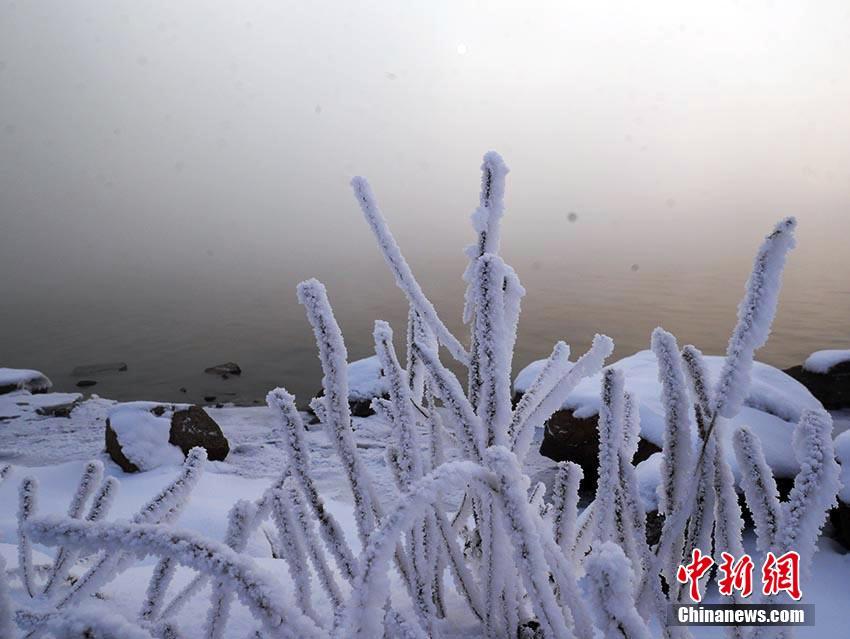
(12, 379)
(143, 435)
(224, 370)
(93, 369)
(85, 383)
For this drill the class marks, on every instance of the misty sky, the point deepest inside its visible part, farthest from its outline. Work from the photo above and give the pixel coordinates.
(187, 150)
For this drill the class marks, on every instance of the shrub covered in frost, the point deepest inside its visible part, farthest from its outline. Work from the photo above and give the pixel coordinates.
(515, 565)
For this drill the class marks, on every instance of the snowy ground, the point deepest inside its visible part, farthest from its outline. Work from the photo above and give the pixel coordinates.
(54, 449)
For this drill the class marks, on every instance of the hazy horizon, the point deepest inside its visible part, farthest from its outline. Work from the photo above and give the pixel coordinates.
(169, 172)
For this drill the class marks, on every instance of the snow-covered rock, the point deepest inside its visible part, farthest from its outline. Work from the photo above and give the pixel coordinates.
(823, 361)
(23, 404)
(365, 381)
(144, 435)
(771, 409)
(12, 379)
(827, 375)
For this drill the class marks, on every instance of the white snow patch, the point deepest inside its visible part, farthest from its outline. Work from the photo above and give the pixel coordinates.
(365, 379)
(649, 479)
(822, 361)
(143, 435)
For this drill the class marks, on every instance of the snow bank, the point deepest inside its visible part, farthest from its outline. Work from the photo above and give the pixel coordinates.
(365, 379)
(822, 361)
(23, 379)
(143, 435)
(771, 409)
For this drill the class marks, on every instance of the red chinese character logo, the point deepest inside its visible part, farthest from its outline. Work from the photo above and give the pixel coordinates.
(693, 571)
(781, 573)
(737, 575)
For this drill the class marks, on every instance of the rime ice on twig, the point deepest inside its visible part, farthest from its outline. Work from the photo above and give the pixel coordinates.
(759, 488)
(611, 581)
(255, 587)
(403, 275)
(27, 505)
(6, 625)
(298, 456)
(815, 486)
(755, 315)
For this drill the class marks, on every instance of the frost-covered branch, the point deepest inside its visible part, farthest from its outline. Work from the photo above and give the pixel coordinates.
(27, 506)
(363, 613)
(815, 486)
(256, 588)
(165, 507)
(611, 413)
(448, 389)
(91, 476)
(548, 402)
(332, 354)
(677, 455)
(486, 221)
(490, 383)
(755, 315)
(612, 583)
(6, 624)
(759, 488)
(292, 438)
(403, 275)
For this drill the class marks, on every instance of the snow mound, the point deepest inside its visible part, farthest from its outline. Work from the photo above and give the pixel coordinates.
(366, 379)
(527, 375)
(822, 361)
(23, 379)
(143, 434)
(842, 454)
(771, 409)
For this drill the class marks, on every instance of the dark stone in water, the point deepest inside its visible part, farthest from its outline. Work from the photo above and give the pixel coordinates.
(831, 388)
(93, 369)
(225, 370)
(85, 383)
(209, 398)
(182, 389)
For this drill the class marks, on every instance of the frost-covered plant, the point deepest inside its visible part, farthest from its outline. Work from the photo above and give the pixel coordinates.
(462, 507)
